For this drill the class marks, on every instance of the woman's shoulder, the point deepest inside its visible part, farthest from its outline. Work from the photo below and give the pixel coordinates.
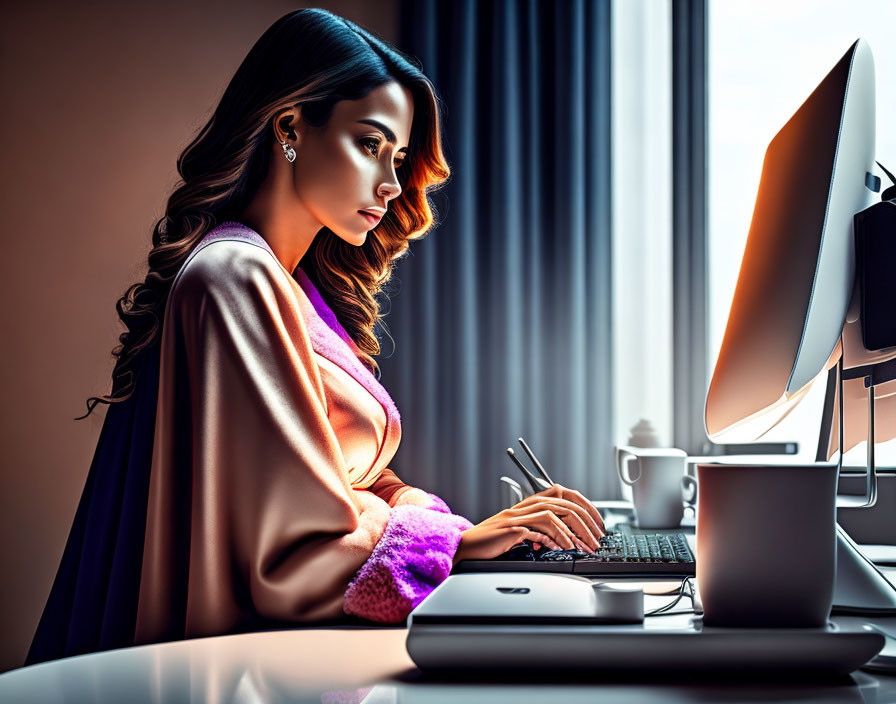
(226, 263)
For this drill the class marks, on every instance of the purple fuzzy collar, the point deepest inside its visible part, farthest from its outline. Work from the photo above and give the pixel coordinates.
(328, 338)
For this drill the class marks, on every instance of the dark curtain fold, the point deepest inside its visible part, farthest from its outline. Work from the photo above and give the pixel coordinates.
(93, 603)
(501, 317)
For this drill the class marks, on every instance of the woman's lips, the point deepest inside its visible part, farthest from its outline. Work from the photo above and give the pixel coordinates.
(372, 219)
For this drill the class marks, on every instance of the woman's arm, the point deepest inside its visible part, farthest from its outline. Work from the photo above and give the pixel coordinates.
(389, 487)
(396, 493)
(414, 556)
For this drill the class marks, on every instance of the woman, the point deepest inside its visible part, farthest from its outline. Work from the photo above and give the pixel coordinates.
(241, 478)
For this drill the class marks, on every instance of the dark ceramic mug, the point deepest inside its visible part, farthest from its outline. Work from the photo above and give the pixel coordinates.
(766, 544)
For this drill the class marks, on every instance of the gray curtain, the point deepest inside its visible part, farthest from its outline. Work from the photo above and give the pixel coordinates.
(500, 319)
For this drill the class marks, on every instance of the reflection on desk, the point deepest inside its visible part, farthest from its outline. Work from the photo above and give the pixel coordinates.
(352, 665)
(272, 666)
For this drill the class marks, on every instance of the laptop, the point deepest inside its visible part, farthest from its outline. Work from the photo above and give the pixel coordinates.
(531, 621)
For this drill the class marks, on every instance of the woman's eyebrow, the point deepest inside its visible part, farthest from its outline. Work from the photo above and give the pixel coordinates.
(390, 135)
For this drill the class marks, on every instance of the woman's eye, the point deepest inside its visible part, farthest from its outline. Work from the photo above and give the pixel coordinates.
(372, 145)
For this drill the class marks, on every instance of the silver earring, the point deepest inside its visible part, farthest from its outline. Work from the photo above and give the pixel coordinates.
(288, 151)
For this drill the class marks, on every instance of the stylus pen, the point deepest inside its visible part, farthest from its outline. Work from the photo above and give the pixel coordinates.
(537, 483)
(541, 470)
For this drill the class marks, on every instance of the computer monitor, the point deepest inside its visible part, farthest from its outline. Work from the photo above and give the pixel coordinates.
(798, 269)
(796, 282)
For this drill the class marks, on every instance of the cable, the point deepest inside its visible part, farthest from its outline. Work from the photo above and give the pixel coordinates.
(685, 585)
(681, 593)
(672, 613)
(671, 592)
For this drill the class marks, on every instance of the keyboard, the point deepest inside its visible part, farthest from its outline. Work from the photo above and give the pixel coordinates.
(620, 553)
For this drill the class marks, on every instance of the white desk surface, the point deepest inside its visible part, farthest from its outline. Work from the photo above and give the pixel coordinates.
(352, 665)
(333, 666)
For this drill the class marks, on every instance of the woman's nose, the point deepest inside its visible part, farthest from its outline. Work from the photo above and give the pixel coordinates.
(389, 189)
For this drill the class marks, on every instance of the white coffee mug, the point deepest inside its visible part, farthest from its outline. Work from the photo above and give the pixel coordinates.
(657, 478)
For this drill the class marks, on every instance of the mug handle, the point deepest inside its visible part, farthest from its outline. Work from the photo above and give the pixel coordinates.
(623, 457)
(689, 484)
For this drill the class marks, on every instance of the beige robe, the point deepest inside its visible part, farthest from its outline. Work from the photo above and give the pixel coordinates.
(267, 431)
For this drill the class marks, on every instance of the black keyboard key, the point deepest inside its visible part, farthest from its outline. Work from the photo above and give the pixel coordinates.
(521, 551)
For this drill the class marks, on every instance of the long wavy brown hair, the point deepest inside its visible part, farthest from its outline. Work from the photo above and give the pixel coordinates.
(314, 59)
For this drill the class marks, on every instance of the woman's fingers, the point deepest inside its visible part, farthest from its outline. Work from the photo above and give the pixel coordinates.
(537, 537)
(573, 516)
(551, 524)
(581, 522)
(585, 507)
(595, 530)
(559, 491)
(576, 497)
(548, 523)
(523, 533)
(578, 526)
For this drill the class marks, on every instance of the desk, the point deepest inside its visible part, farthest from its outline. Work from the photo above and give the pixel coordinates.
(348, 665)
(341, 665)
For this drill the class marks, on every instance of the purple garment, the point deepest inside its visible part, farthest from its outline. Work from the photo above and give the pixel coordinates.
(328, 338)
(414, 556)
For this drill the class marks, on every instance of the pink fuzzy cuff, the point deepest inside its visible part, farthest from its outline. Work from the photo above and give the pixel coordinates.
(437, 504)
(412, 558)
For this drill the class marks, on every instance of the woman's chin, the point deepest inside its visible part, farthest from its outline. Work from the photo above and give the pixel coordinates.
(356, 239)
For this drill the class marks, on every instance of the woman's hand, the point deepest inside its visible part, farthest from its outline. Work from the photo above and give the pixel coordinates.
(569, 502)
(559, 518)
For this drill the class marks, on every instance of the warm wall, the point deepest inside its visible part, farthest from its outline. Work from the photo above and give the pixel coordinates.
(98, 100)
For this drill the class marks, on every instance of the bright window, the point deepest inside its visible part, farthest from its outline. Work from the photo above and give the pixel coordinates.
(642, 216)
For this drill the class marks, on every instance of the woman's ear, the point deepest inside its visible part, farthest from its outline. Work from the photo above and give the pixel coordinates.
(285, 124)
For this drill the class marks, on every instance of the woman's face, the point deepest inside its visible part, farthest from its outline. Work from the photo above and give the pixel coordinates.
(349, 165)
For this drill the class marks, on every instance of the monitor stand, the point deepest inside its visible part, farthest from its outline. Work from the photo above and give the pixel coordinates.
(864, 597)
(860, 587)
